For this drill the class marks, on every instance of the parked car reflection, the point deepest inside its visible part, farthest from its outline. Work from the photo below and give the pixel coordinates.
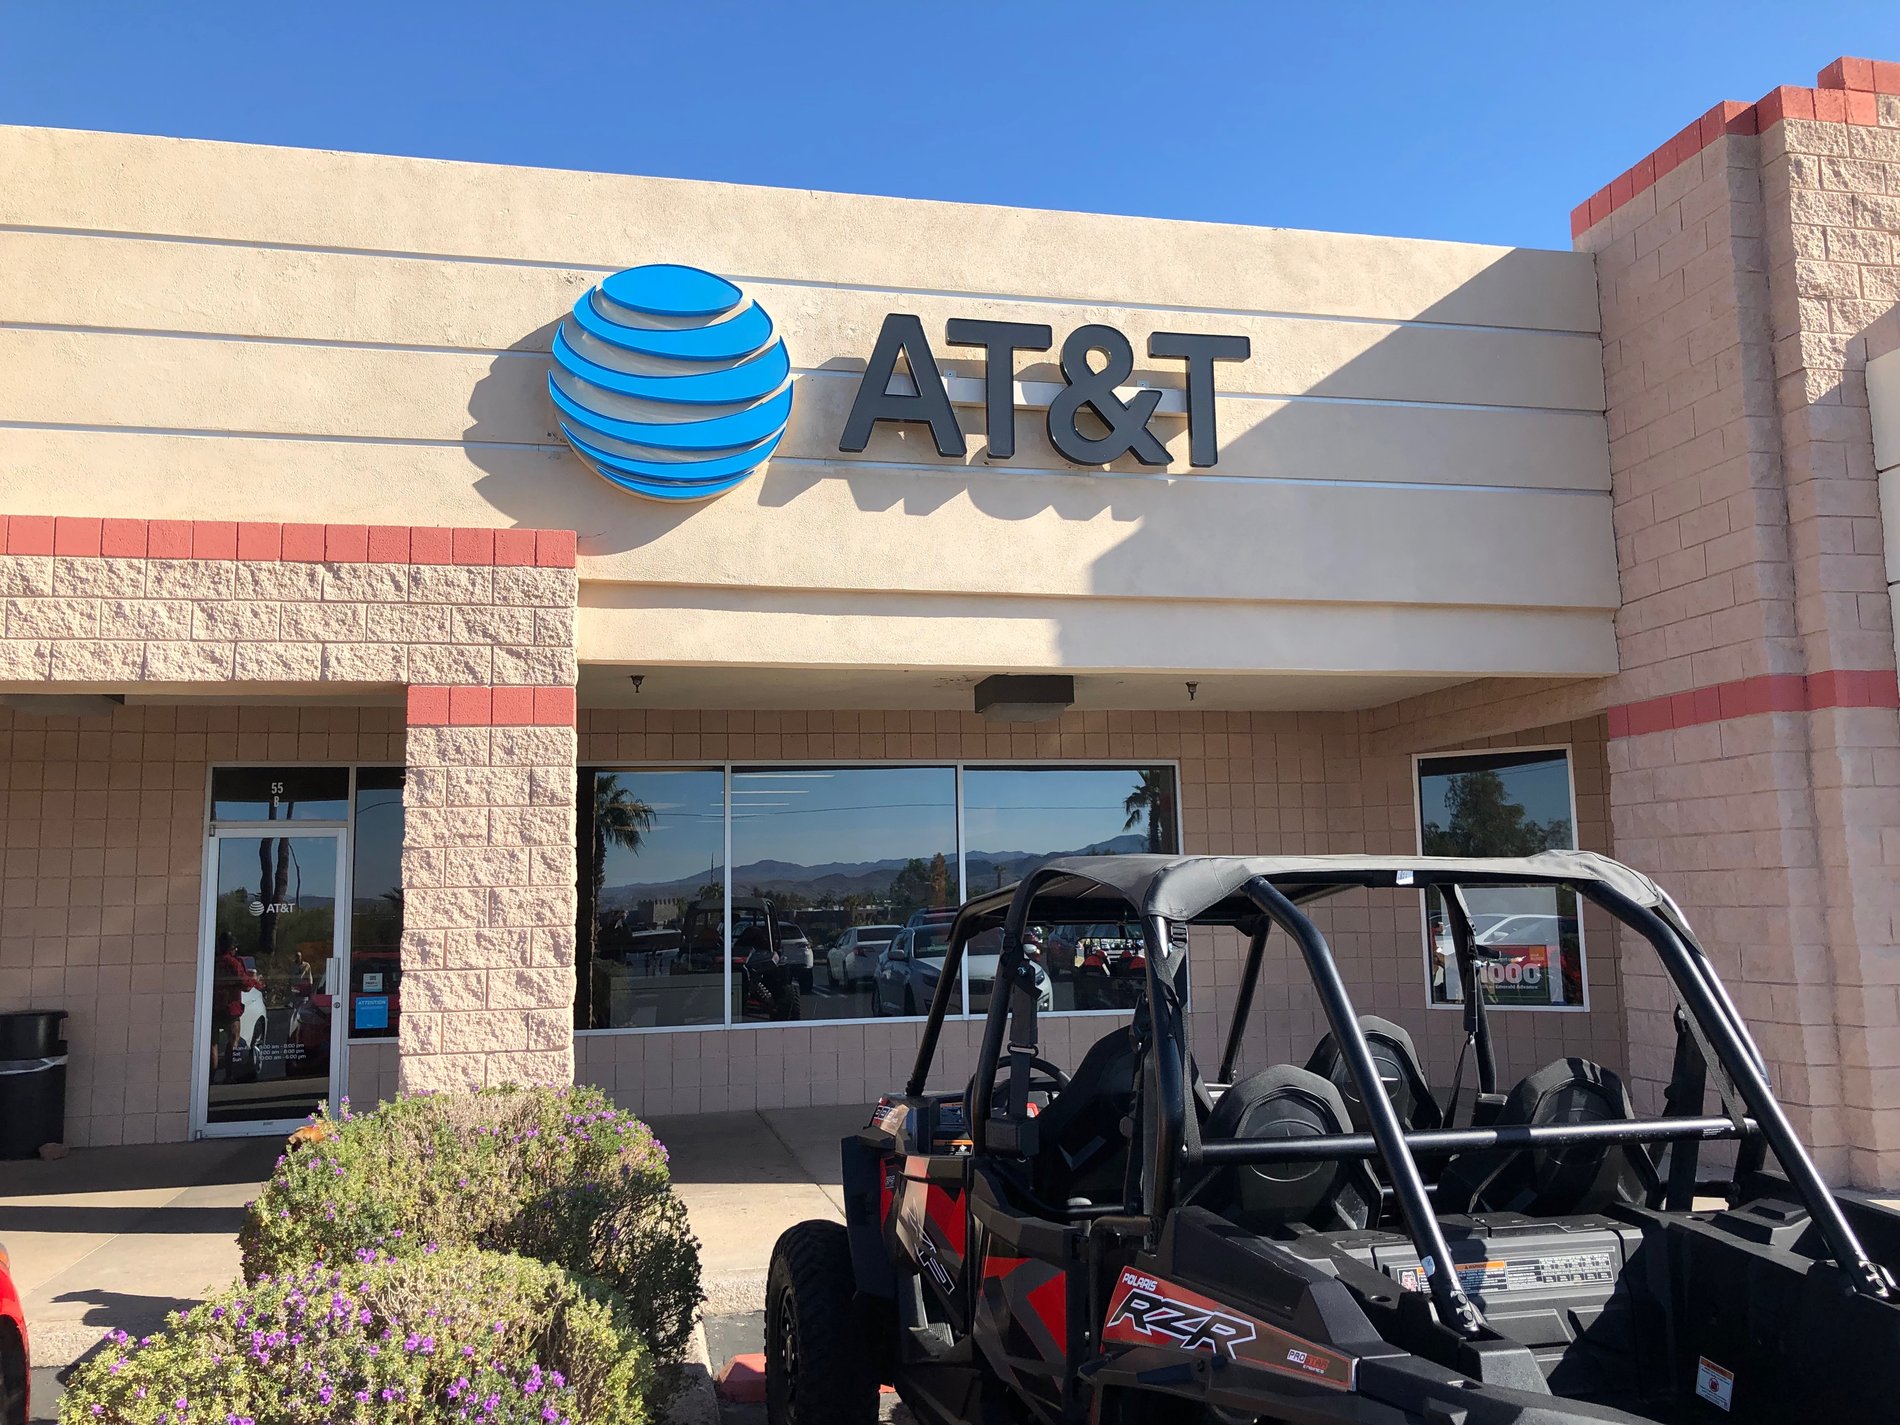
(852, 959)
(795, 949)
(979, 959)
(1106, 964)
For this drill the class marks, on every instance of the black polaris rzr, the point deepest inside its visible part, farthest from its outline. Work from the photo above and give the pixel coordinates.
(1329, 1243)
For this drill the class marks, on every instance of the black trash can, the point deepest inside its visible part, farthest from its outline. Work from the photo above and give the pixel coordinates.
(32, 1081)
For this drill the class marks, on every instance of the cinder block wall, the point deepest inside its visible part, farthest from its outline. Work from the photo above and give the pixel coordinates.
(477, 625)
(102, 845)
(1755, 755)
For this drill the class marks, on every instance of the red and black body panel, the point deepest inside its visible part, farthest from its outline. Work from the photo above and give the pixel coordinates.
(1029, 1315)
(930, 1226)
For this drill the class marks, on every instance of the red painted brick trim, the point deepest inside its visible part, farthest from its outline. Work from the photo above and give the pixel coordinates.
(294, 543)
(1745, 697)
(1843, 93)
(468, 705)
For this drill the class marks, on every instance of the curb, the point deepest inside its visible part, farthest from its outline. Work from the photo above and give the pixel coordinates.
(698, 1400)
(59, 1345)
(742, 1379)
(734, 1294)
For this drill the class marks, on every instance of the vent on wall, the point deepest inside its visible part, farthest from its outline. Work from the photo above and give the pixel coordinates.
(1025, 697)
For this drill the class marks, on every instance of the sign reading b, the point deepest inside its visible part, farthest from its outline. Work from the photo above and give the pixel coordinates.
(670, 382)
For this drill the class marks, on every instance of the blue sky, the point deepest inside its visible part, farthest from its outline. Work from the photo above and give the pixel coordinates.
(1480, 122)
(814, 816)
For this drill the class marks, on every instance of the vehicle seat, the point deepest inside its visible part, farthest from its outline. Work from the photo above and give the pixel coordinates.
(1285, 1102)
(1082, 1146)
(1554, 1182)
(1399, 1070)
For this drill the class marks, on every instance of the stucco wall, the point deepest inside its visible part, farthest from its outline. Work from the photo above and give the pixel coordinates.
(1414, 457)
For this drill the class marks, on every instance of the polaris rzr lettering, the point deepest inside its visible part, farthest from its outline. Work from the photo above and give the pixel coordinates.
(1147, 1311)
(1193, 1328)
(928, 1259)
(1533, 1272)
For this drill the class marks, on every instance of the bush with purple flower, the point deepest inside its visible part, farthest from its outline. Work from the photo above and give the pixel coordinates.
(450, 1336)
(557, 1174)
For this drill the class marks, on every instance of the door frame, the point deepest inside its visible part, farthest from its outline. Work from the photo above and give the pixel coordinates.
(338, 833)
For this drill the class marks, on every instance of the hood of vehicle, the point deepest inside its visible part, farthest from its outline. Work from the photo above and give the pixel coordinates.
(982, 968)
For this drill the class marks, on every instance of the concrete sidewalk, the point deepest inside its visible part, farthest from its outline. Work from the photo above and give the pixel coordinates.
(115, 1238)
(745, 1178)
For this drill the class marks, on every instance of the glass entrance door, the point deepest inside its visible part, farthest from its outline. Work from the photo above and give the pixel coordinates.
(269, 1037)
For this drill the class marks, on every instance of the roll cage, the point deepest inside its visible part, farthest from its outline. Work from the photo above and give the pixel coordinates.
(1168, 895)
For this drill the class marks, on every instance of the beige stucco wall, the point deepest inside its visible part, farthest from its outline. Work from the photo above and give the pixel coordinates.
(1414, 474)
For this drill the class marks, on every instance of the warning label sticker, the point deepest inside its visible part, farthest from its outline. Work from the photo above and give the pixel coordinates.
(1714, 1384)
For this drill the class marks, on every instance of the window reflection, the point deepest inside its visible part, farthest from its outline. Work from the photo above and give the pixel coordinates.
(1527, 939)
(844, 884)
(376, 905)
(653, 910)
(280, 793)
(844, 859)
(1015, 818)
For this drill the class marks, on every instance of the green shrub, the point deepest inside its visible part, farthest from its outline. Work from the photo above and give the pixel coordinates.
(458, 1335)
(556, 1174)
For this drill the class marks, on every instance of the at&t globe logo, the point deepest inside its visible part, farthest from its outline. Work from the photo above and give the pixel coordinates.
(670, 382)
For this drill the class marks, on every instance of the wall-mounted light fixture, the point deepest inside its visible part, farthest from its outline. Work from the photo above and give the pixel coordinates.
(1025, 697)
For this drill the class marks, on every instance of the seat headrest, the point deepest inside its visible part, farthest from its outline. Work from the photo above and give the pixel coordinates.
(1554, 1182)
(1399, 1069)
(1286, 1102)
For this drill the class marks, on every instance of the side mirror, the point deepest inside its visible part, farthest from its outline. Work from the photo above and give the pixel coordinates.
(897, 952)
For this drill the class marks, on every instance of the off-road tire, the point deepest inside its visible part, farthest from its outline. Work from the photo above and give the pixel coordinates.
(817, 1355)
(785, 1002)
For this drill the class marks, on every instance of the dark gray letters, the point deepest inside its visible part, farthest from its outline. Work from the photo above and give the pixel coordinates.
(1000, 342)
(1128, 431)
(902, 333)
(1201, 353)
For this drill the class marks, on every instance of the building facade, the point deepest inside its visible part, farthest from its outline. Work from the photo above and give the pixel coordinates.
(362, 725)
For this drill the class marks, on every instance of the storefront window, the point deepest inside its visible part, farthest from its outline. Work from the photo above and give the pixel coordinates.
(1014, 818)
(653, 912)
(375, 987)
(1528, 939)
(844, 882)
(831, 866)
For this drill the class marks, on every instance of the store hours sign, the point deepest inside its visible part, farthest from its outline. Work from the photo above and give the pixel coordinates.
(1095, 361)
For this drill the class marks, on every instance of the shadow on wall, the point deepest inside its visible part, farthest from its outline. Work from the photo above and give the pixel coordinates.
(544, 482)
(529, 473)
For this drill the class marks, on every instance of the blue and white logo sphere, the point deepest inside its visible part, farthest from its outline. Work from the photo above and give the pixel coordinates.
(670, 382)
